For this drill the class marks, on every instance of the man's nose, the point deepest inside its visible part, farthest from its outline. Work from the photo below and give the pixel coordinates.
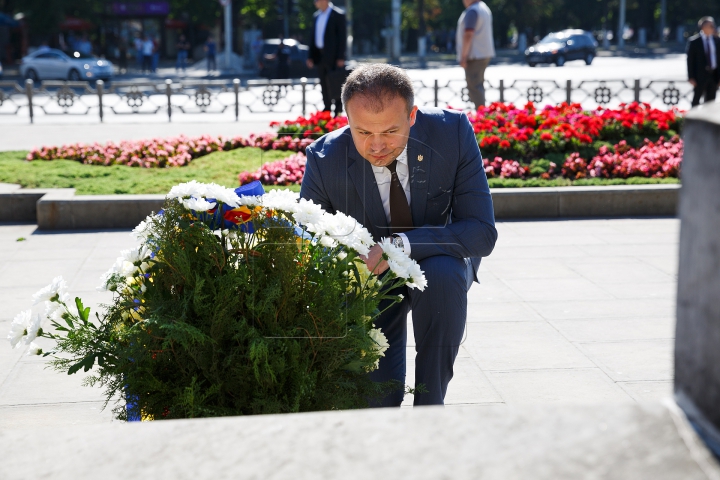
(377, 143)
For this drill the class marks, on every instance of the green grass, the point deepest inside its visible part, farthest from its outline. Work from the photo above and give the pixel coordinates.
(219, 167)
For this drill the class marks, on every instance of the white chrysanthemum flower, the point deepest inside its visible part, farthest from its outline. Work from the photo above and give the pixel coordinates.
(381, 343)
(308, 214)
(403, 266)
(327, 241)
(144, 228)
(347, 231)
(50, 306)
(198, 204)
(125, 264)
(192, 188)
(18, 327)
(34, 349)
(342, 256)
(285, 200)
(57, 314)
(33, 328)
(417, 276)
(222, 194)
(57, 287)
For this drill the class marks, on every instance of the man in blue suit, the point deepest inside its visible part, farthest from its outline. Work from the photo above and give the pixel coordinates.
(415, 174)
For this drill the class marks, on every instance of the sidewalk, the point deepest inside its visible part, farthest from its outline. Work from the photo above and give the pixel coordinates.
(575, 311)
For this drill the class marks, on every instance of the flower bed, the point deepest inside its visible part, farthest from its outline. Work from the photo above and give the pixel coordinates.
(660, 159)
(162, 153)
(563, 141)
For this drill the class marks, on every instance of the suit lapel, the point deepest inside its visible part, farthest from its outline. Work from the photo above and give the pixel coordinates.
(362, 176)
(419, 158)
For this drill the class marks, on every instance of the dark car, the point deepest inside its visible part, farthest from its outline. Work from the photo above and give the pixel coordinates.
(294, 67)
(561, 47)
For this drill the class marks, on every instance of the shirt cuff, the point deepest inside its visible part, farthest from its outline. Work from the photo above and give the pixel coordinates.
(406, 243)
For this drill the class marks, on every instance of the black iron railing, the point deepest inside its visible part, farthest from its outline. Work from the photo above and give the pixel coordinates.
(236, 98)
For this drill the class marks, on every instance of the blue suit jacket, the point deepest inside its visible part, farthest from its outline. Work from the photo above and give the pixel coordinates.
(450, 200)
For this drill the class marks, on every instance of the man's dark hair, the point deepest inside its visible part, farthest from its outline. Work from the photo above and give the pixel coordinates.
(378, 84)
(704, 20)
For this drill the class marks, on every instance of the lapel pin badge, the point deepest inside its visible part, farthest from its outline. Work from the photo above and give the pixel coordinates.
(420, 158)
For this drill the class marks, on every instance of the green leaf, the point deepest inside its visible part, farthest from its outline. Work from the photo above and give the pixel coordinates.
(86, 364)
(83, 312)
(75, 367)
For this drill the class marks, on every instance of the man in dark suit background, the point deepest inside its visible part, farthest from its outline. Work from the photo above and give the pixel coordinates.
(327, 48)
(414, 175)
(703, 61)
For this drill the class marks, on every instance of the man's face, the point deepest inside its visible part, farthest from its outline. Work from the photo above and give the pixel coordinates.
(708, 28)
(321, 4)
(380, 137)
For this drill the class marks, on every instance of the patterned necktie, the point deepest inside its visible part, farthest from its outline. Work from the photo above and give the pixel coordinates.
(400, 215)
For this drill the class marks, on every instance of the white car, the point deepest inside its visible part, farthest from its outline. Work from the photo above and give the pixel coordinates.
(52, 64)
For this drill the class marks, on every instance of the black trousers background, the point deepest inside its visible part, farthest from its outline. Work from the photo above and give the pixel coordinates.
(323, 72)
(707, 89)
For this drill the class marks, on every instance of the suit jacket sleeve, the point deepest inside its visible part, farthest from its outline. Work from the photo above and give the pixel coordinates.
(472, 232)
(691, 62)
(341, 37)
(312, 187)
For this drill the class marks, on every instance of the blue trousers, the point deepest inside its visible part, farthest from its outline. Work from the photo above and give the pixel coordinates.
(438, 314)
(182, 56)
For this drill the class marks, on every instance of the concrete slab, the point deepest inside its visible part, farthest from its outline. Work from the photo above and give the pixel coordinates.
(493, 442)
(557, 386)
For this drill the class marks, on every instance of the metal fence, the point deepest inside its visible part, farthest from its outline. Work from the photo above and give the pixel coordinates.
(238, 98)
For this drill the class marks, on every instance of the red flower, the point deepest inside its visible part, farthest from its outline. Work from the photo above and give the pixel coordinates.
(504, 144)
(546, 137)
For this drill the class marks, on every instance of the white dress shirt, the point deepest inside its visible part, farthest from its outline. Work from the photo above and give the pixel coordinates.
(709, 42)
(383, 177)
(320, 24)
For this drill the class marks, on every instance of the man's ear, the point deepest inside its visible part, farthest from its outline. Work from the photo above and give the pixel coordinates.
(413, 115)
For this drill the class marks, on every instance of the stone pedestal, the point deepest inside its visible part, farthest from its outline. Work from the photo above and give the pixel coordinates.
(697, 346)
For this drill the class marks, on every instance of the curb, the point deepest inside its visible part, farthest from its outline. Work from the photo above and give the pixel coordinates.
(61, 209)
(610, 201)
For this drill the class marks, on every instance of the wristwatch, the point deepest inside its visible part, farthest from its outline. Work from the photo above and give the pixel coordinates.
(398, 242)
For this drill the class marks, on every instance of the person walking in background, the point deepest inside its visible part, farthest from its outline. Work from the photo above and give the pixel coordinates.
(703, 61)
(327, 48)
(282, 55)
(84, 46)
(155, 54)
(475, 47)
(183, 47)
(138, 44)
(148, 46)
(210, 53)
(122, 55)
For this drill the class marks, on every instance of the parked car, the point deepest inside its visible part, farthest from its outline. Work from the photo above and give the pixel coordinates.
(560, 47)
(298, 54)
(52, 64)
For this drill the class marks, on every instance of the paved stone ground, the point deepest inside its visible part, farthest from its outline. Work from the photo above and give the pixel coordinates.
(575, 311)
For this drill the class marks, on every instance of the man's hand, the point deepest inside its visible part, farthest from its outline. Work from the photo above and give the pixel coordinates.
(463, 62)
(309, 63)
(340, 63)
(374, 260)
(692, 82)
